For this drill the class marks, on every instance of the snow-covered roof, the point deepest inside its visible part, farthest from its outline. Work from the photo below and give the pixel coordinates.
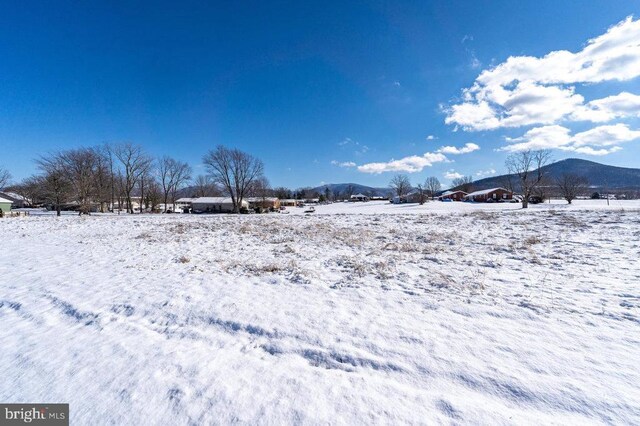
(4, 200)
(359, 196)
(445, 193)
(485, 191)
(259, 199)
(14, 196)
(213, 200)
(186, 200)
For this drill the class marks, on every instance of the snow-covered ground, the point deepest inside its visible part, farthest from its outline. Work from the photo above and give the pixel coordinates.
(385, 207)
(442, 313)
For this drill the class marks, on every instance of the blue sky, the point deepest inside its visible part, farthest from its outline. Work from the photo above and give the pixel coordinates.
(324, 92)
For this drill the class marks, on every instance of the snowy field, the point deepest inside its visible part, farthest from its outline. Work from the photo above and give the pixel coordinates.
(435, 314)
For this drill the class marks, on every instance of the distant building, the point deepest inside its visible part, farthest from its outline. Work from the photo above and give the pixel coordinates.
(184, 204)
(5, 205)
(359, 197)
(452, 195)
(267, 203)
(215, 205)
(488, 195)
(290, 202)
(412, 197)
(135, 203)
(18, 200)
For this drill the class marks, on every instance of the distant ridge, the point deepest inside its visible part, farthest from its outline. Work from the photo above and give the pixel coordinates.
(342, 188)
(598, 175)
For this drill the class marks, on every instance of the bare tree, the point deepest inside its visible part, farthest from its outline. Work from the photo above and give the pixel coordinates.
(571, 185)
(173, 175)
(432, 186)
(205, 187)
(5, 177)
(80, 165)
(234, 170)
(507, 181)
(545, 189)
(154, 194)
(107, 150)
(401, 185)
(55, 183)
(422, 193)
(31, 189)
(181, 178)
(103, 180)
(527, 167)
(143, 182)
(464, 183)
(119, 190)
(261, 188)
(133, 162)
(282, 193)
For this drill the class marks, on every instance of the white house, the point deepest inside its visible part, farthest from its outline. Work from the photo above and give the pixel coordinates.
(184, 203)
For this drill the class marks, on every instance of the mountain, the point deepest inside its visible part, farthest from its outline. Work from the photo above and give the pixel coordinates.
(598, 175)
(343, 188)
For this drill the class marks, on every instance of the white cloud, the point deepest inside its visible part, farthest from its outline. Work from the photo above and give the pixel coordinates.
(482, 173)
(546, 137)
(343, 164)
(606, 136)
(590, 151)
(622, 105)
(526, 90)
(431, 137)
(467, 148)
(452, 174)
(600, 140)
(411, 164)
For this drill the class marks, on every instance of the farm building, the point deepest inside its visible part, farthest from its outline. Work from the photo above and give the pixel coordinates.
(215, 205)
(487, 195)
(5, 205)
(452, 195)
(267, 203)
(359, 197)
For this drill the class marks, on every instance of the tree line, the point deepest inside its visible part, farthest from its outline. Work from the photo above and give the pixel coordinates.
(108, 177)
